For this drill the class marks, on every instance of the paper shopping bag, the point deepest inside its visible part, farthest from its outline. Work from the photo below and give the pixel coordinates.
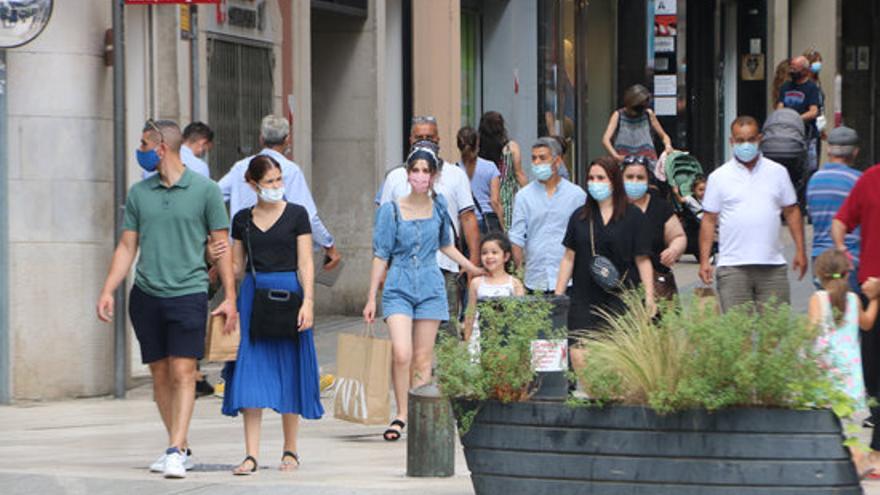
(706, 296)
(218, 345)
(363, 378)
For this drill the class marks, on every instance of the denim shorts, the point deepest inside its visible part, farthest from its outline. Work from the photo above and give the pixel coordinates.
(425, 300)
(168, 326)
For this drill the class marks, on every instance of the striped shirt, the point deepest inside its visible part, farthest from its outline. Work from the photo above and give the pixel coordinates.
(826, 192)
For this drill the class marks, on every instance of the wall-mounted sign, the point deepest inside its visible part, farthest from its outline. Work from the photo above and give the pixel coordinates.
(665, 7)
(664, 44)
(752, 68)
(665, 85)
(665, 106)
(665, 25)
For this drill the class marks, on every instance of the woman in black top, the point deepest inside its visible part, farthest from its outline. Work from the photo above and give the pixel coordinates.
(273, 239)
(619, 230)
(668, 240)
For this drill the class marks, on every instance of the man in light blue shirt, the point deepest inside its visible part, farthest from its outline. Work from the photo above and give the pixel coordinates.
(274, 136)
(197, 140)
(541, 212)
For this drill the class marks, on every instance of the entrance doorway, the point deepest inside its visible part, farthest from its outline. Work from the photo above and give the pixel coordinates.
(239, 96)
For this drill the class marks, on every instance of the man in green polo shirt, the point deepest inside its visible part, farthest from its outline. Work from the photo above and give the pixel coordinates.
(170, 216)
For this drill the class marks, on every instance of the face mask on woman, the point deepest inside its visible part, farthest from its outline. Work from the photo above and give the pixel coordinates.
(148, 160)
(272, 195)
(600, 191)
(420, 182)
(635, 190)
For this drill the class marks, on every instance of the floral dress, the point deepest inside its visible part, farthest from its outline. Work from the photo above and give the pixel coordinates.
(509, 185)
(839, 345)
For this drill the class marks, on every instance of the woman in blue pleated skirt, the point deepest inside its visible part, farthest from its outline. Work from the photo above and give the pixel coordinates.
(273, 250)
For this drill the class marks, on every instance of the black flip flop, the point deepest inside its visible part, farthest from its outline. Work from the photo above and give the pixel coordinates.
(287, 454)
(247, 473)
(392, 435)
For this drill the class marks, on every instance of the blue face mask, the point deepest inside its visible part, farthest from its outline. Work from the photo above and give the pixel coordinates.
(600, 191)
(745, 152)
(542, 171)
(635, 190)
(148, 160)
(816, 67)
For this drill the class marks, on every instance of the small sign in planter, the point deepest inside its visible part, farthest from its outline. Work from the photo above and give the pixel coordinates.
(549, 448)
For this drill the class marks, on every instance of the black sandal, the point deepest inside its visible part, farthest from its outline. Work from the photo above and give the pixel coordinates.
(253, 470)
(285, 465)
(392, 435)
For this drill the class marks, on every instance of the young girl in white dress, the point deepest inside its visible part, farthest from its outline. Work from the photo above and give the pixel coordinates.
(839, 314)
(495, 254)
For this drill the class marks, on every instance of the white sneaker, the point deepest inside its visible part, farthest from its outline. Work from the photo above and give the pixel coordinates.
(188, 464)
(174, 464)
(158, 466)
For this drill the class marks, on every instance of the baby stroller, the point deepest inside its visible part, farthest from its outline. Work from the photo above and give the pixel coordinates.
(785, 142)
(680, 170)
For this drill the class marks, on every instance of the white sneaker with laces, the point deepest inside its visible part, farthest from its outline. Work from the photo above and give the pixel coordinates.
(175, 464)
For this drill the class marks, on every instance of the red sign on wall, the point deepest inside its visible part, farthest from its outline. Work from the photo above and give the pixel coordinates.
(156, 2)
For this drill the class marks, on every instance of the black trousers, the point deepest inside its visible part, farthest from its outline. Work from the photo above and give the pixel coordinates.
(871, 368)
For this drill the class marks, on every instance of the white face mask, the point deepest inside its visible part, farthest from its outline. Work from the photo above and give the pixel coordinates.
(272, 195)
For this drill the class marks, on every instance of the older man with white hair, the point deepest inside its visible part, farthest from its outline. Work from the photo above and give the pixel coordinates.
(275, 137)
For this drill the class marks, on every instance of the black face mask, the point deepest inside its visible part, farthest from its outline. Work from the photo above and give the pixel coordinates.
(795, 75)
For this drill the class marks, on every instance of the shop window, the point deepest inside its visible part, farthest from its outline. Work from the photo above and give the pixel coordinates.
(557, 102)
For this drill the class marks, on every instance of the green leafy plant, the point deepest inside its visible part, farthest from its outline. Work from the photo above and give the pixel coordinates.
(696, 358)
(502, 371)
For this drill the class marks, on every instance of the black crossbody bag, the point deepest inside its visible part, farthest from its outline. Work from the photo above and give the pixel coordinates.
(602, 269)
(274, 312)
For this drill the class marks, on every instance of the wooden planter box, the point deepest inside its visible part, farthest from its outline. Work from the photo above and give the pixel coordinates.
(549, 448)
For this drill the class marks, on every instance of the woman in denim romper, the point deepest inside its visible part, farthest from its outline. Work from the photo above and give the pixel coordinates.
(406, 237)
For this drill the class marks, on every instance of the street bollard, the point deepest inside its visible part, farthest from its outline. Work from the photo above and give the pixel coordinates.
(430, 440)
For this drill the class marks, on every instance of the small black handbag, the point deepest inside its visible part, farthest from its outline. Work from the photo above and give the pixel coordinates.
(274, 312)
(602, 269)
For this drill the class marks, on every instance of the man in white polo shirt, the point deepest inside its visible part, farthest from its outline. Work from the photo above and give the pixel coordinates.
(745, 197)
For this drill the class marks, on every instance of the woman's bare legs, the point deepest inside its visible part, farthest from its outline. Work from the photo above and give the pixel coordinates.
(290, 423)
(424, 337)
(253, 422)
(401, 329)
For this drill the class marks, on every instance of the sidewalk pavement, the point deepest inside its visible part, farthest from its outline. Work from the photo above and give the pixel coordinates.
(103, 446)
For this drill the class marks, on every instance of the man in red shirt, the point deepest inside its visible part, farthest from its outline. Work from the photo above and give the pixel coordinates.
(862, 209)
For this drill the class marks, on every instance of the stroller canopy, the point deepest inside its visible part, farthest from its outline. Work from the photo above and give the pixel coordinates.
(681, 170)
(784, 135)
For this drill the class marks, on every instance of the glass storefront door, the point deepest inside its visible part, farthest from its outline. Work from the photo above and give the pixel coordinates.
(558, 109)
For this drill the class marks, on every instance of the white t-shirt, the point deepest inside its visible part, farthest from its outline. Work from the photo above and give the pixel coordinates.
(452, 183)
(749, 206)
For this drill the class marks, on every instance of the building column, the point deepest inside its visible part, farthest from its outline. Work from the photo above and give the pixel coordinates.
(436, 28)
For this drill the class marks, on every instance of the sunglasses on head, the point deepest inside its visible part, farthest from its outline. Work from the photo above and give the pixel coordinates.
(424, 119)
(635, 159)
(152, 125)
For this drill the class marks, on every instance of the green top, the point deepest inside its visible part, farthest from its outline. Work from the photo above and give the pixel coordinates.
(173, 224)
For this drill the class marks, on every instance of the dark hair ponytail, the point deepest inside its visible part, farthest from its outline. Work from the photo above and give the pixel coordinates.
(832, 268)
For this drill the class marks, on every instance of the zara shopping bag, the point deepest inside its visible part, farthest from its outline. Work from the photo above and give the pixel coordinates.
(363, 378)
